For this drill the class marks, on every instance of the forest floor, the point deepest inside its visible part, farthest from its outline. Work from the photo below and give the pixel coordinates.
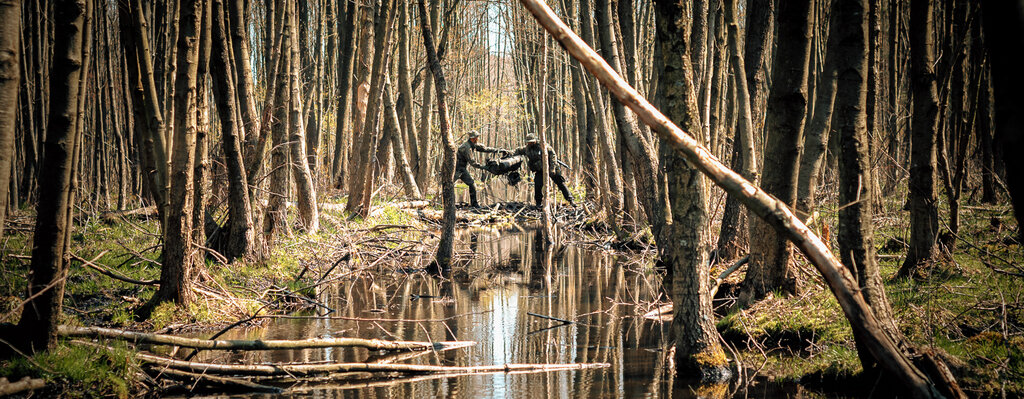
(970, 308)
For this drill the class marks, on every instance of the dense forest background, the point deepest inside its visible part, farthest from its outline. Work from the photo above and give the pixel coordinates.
(833, 146)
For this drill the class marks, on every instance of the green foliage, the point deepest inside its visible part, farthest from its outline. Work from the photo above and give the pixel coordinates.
(796, 322)
(997, 362)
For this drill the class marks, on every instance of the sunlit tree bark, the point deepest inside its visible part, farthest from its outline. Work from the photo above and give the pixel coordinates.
(922, 199)
(180, 254)
(241, 236)
(305, 193)
(771, 255)
(683, 248)
(445, 247)
(10, 76)
(39, 318)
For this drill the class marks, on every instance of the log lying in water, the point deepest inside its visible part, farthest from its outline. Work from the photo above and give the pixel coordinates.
(222, 382)
(306, 369)
(379, 382)
(196, 343)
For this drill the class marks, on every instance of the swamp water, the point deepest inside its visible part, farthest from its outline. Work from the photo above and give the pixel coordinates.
(497, 295)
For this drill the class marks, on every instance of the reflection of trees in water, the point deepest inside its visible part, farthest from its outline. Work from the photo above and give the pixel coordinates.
(507, 276)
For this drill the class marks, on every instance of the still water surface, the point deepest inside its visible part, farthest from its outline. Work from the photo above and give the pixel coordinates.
(489, 298)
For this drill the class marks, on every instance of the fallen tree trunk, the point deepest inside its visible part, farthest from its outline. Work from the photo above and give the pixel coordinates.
(725, 273)
(775, 213)
(113, 217)
(112, 273)
(305, 369)
(8, 388)
(196, 343)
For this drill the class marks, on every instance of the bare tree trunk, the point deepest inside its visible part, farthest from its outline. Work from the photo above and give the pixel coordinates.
(586, 159)
(848, 57)
(149, 117)
(426, 117)
(305, 193)
(392, 124)
(760, 29)
(39, 318)
(817, 138)
(1004, 37)
(272, 67)
(241, 236)
(443, 257)
(274, 218)
(683, 247)
(238, 27)
(360, 182)
(201, 166)
(613, 194)
(922, 199)
(310, 71)
(347, 27)
(771, 254)
(984, 132)
(405, 96)
(180, 252)
(382, 62)
(625, 123)
(10, 76)
(547, 232)
(731, 238)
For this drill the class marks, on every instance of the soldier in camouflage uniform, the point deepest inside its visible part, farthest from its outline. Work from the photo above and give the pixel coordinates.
(464, 158)
(533, 154)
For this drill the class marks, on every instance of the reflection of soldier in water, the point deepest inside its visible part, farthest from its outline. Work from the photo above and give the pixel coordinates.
(464, 158)
(474, 242)
(534, 154)
(541, 264)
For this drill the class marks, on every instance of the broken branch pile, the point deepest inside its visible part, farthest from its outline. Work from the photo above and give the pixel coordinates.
(243, 376)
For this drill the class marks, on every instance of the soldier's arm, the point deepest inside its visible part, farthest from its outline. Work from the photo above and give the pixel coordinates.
(485, 149)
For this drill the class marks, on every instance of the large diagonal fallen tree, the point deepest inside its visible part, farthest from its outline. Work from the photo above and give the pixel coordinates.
(777, 214)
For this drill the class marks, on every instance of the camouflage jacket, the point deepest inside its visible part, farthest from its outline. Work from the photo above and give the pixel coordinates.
(464, 156)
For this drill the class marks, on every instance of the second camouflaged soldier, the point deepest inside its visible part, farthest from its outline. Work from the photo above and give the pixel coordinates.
(533, 153)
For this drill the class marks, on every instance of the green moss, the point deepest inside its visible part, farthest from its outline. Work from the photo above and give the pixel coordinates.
(794, 322)
(164, 314)
(76, 371)
(830, 363)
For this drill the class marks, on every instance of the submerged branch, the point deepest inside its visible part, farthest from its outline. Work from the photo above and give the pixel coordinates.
(306, 369)
(224, 382)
